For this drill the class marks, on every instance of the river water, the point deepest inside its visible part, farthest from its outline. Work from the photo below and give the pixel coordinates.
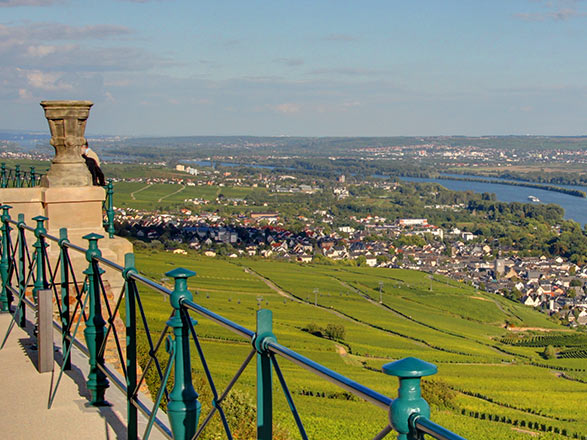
(575, 207)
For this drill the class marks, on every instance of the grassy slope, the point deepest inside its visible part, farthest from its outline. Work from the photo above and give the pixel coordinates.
(451, 325)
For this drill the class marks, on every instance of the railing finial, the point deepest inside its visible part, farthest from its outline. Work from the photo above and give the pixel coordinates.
(409, 402)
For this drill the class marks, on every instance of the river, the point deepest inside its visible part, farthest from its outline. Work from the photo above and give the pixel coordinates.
(575, 207)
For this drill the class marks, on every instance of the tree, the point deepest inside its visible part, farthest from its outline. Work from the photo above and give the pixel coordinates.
(549, 352)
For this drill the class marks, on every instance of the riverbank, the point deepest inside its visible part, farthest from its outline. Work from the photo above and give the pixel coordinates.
(568, 191)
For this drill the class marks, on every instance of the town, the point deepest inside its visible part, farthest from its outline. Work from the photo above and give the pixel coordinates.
(552, 284)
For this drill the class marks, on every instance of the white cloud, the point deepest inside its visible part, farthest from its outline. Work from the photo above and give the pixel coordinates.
(46, 80)
(287, 108)
(16, 3)
(558, 10)
(25, 95)
(41, 50)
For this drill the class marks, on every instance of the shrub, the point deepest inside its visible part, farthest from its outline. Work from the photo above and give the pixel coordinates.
(335, 331)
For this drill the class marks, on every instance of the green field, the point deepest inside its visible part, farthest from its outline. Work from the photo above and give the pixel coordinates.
(496, 390)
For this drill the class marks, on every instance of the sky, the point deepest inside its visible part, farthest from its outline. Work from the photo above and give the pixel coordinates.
(299, 68)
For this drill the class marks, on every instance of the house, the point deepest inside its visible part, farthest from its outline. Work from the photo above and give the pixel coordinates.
(531, 300)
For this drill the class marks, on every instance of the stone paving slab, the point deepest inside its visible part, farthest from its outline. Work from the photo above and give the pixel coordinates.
(24, 396)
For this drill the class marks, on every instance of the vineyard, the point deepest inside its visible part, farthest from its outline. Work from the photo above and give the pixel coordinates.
(573, 354)
(543, 340)
(490, 384)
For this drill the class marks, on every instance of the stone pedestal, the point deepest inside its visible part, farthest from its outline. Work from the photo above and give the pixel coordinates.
(77, 209)
(67, 122)
(66, 196)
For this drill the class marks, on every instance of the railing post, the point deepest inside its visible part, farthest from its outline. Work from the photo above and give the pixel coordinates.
(263, 335)
(4, 259)
(110, 208)
(3, 177)
(183, 408)
(409, 402)
(131, 345)
(21, 270)
(18, 181)
(65, 316)
(95, 331)
(40, 282)
(33, 178)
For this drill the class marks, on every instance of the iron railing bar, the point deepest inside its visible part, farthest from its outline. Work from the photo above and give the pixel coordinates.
(205, 423)
(351, 386)
(152, 350)
(434, 430)
(53, 274)
(75, 247)
(383, 433)
(236, 376)
(66, 359)
(147, 282)
(201, 354)
(109, 263)
(78, 299)
(164, 429)
(226, 323)
(225, 393)
(289, 398)
(208, 375)
(50, 237)
(162, 390)
(77, 290)
(135, 401)
(153, 358)
(112, 327)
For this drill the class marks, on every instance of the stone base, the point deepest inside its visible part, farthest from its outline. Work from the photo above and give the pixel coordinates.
(69, 175)
(79, 209)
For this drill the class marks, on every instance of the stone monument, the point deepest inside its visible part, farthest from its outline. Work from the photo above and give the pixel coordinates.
(67, 122)
(66, 195)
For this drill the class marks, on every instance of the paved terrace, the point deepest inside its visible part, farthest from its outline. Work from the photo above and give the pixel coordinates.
(25, 393)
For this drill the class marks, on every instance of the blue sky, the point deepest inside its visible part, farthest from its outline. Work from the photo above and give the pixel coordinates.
(307, 68)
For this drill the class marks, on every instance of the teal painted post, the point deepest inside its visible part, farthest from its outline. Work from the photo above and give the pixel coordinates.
(33, 178)
(131, 345)
(263, 335)
(3, 177)
(409, 402)
(40, 282)
(110, 208)
(65, 314)
(4, 265)
(18, 180)
(21, 271)
(95, 330)
(183, 408)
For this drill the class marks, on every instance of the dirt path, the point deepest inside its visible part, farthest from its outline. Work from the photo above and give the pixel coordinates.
(540, 329)
(272, 286)
(170, 194)
(285, 294)
(341, 350)
(132, 194)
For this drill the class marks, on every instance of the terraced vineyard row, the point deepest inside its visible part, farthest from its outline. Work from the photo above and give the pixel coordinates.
(454, 326)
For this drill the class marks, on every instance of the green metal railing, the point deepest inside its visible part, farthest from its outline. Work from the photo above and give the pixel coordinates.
(108, 209)
(18, 178)
(83, 298)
